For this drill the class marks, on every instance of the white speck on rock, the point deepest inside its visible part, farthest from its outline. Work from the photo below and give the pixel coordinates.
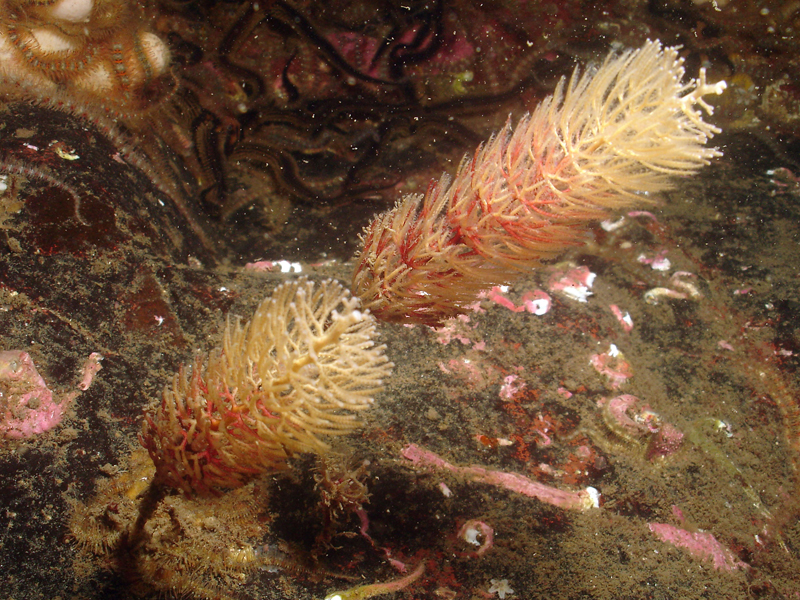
(501, 588)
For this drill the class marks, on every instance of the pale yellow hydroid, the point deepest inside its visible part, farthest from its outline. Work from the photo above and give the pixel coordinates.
(298, 371)
(603, 141)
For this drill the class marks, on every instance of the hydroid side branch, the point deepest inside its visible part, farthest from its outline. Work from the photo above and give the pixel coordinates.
(601, 142)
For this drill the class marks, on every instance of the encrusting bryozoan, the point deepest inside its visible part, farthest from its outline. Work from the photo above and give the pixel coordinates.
(299, 370)
(598, 144)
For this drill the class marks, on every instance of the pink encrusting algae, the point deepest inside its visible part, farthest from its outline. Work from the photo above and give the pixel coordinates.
(624, 318)
(536, 302)
(573, 282)
(27, 405)
(512, 386)
(700, 544)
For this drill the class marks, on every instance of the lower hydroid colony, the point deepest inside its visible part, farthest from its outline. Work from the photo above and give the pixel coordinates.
(299, 370)
(600, 143)
(277, 385)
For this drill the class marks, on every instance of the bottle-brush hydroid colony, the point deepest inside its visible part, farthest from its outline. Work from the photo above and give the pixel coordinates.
(299, 370)
(307, 362)
(599, 143)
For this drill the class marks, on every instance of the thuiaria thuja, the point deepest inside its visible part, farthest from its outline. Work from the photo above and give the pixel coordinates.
(299, 371)
(601, 142)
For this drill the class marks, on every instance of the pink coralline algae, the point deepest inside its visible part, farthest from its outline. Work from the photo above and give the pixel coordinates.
(458, 328)
(573, 282)
(27, 405)
(700, 544)
(665, 442)
(624, 318)
(512, 386)
(659, 262)
(536, 302)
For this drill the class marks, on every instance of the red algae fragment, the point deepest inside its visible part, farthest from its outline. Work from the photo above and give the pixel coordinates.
(583, 500)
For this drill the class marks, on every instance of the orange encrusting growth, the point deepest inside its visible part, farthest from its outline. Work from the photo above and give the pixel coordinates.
(599, 143)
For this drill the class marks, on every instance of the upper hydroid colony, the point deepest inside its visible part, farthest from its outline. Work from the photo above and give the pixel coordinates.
(599, 143)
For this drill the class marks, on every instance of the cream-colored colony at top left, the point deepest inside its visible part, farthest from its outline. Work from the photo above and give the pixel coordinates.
(94, 50)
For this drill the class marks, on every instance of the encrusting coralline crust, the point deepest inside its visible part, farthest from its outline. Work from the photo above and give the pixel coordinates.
(600, 143)
(298, 371)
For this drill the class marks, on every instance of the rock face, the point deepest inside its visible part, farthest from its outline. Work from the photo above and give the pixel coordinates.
(122, 235)
(75, 190)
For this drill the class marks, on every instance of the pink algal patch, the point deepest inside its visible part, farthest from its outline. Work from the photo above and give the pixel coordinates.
(465, 370)
(512, 385)
(458, 328)
(536, 302)
(666, 442)
(27, 405)
(659, 262)
(583, 500)
(261, 265)
(700, 544)
(624, 318)
(613, 365)
(284, 266)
